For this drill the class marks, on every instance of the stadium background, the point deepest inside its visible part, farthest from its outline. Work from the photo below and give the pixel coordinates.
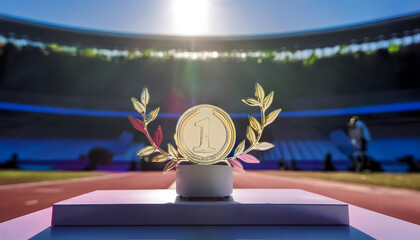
(65, 92)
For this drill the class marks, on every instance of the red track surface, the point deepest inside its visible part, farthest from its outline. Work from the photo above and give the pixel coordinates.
(399, 203)
(24, 200)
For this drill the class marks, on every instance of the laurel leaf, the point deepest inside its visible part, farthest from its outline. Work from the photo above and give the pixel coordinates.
(137, 124)
(268, 100)
(153, 114)
(146, 151)
(240, 148)
(254, 123)
(138, 105)
(236, 165)
(169, 166)
(145, 96)
(248, 158)
(251, 102)
(262, 146)
(161, 158)
(176, 142)
(250, 134)
(172, 150)
(259, 92)
(157, 137)
(272, 116)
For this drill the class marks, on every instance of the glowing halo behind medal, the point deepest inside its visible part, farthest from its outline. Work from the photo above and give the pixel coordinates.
(205, 135)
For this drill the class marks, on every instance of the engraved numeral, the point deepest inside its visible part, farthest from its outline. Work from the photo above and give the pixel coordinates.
(204, 147)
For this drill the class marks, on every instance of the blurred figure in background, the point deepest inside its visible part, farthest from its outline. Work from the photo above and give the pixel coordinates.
(359, 136)
(328, 164)
(13, 163)
(98, 156)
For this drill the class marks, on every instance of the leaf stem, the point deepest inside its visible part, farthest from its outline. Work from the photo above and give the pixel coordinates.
(262, 110)
(151, 140)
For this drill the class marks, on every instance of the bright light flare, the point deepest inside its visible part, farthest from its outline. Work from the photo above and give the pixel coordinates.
(190, 16)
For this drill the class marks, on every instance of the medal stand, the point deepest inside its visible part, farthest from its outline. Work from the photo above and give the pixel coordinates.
(165, 207)
(204, 196)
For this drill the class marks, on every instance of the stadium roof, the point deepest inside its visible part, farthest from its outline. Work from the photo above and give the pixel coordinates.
(207, 17)
(366, 32)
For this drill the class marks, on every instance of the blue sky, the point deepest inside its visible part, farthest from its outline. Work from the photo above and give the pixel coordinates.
(206, 17)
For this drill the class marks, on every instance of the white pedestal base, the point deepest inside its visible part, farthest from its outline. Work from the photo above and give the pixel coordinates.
(204, 181)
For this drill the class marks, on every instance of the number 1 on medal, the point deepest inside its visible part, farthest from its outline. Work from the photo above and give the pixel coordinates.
(204, 147)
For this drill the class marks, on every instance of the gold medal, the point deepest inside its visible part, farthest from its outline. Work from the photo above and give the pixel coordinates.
(205, 134)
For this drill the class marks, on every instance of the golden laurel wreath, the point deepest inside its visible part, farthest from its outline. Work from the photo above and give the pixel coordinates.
(173, 155)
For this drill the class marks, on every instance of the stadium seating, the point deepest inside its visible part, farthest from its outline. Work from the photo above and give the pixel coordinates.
(387, 151)
(68, 154)
(295, 154)
(311, 154)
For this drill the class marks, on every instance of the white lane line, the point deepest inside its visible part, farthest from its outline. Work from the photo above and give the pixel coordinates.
(73, 180)
(173, 185)
(31, 202)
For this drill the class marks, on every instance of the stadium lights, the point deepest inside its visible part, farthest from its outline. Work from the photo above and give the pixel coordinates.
(308, 56)
(190, 16)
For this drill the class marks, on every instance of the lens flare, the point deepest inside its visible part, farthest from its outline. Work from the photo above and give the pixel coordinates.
(190, 17)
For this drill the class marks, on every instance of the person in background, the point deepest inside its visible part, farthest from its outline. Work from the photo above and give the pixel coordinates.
(328, 164)
(359, 136)
(13, 163)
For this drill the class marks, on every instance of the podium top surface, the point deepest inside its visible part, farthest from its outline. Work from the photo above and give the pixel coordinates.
(167, 196)
(165, 207)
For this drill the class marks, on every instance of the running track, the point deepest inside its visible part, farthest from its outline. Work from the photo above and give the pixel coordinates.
(25, 199)
(18, 200)
(399, 203)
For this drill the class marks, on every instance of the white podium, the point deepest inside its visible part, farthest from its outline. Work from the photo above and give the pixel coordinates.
(164, 207)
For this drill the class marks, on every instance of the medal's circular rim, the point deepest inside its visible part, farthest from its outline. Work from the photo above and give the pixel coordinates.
(220, 155)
